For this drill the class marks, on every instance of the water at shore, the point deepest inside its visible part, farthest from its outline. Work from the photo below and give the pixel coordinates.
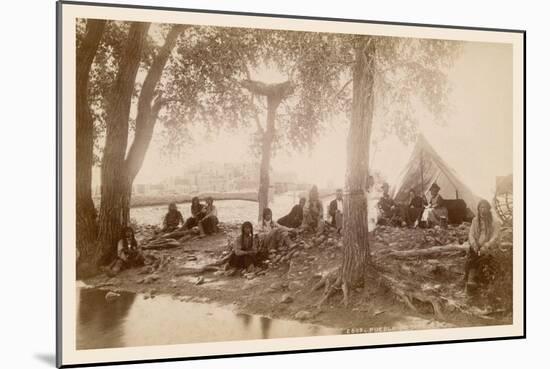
(131, 320)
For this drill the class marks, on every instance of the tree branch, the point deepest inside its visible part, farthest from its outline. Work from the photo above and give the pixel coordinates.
(147, 109)
(155, 72)
(157, 105)
(342, 89)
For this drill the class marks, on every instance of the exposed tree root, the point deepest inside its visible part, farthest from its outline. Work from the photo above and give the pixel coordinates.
(176, 239)
(331, 282)
(417, 301)
(195, 271)
(332, 286)
(430, 251)
(212, 267)
(464, 309)
(345, 291)
(162, 245)
(178, 233)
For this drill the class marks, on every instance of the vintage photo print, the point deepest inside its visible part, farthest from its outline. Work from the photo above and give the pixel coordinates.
(237, 184)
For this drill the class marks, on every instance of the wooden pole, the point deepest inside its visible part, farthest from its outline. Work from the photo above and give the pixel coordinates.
(422, 172)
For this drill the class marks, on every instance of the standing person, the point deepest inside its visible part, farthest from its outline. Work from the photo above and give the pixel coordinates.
(271, 234)
(370, 183)
(336, 210)
(372, 197)
(198, 211)
(435, 213)
(483, 235)
(209, 223)
(128, 253)
(313, 212)
(414, 208)
(295, 217)
(172, 219)
(247, 252)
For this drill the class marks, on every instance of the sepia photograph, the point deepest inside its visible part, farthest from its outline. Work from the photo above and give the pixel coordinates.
(232, 184)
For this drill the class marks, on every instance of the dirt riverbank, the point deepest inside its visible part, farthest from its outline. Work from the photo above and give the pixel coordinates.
(420, 290)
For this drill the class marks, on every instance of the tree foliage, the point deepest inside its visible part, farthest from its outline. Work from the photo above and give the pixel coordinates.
(410, 78)
(213, 77)
(200, 83)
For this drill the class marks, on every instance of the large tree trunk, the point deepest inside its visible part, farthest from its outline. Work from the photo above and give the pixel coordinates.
(267, 144)
(146, 118)
(114, 178)
(86, 226)
(355, 227)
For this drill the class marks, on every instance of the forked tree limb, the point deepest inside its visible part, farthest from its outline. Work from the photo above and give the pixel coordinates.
(280, 90)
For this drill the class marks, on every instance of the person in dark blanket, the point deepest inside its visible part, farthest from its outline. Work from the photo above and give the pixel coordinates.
(414, 208)
(128, 253)
(483, 236)
(247, 251)
(198, 211)
(388, 210)
(209, 223)
(295, 217)
(336, 210)
(172, 219)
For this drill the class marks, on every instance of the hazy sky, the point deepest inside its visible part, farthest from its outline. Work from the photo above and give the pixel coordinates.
(476, 141)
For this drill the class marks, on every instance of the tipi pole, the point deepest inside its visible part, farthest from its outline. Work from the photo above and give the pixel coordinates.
(422, 171)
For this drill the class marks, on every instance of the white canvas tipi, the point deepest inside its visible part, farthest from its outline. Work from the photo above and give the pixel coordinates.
(426, 167)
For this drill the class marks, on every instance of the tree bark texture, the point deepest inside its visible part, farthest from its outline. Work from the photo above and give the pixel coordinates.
(265, 163)
(355, 222)
(86, 226)
(113, 172)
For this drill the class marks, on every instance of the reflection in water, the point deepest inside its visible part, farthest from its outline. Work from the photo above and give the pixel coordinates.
(246, 319)
(266, 324)
(131, 320)
(106, 318)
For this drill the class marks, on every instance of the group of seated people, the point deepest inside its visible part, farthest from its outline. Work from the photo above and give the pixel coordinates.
(418, 211)
(203, 216)
(307, 214)
(251, 249)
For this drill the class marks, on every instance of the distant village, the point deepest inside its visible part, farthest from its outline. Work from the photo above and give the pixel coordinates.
(218, 177)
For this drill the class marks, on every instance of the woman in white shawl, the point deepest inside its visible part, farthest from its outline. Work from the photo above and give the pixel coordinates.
(372, 204)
